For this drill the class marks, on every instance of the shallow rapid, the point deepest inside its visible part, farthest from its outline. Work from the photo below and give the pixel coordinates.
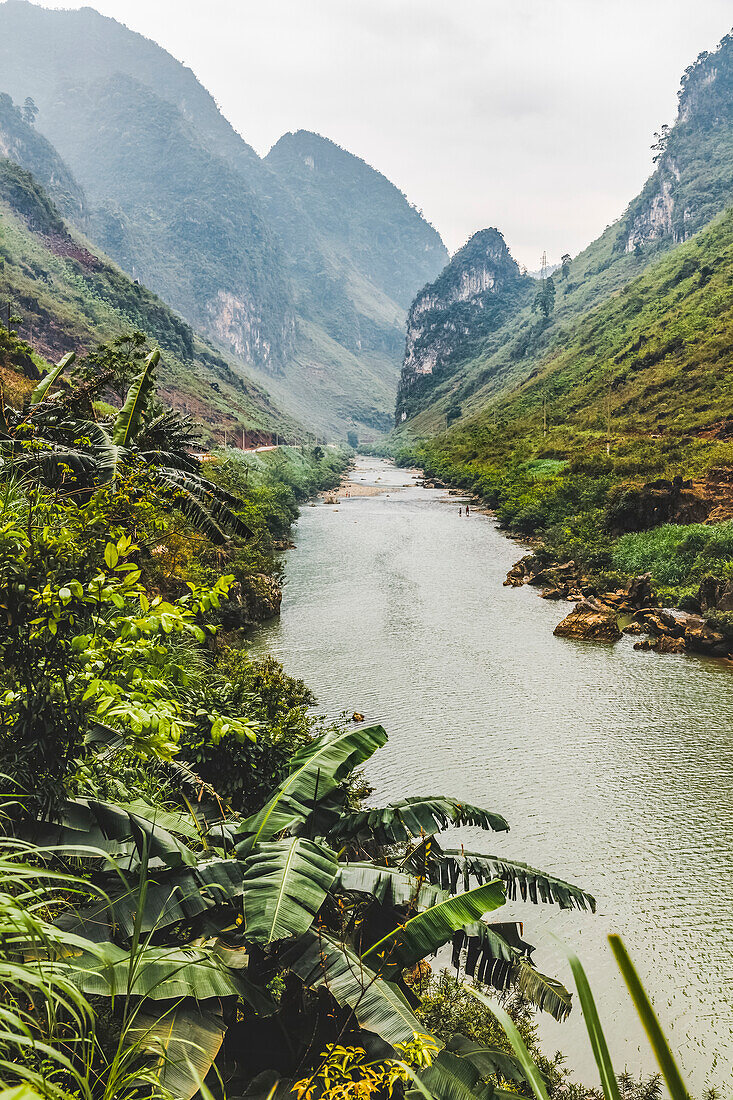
(613, 767)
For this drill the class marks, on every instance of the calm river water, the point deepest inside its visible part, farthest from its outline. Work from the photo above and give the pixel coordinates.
(613, 767)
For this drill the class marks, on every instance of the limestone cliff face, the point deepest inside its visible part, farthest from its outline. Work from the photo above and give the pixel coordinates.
(693, 179)
(472, 296)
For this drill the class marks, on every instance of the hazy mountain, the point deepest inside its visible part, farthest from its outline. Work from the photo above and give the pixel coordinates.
(302, 264)
(68, 297)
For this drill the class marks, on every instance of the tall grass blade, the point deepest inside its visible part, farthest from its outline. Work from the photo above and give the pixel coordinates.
(662, 1053)
(593, 1026)
(525, 1059)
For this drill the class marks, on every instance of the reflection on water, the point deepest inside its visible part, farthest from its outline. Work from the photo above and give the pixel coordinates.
(613, 767)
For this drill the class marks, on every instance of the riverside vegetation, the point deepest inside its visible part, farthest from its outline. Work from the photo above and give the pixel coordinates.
(195, 899)
(616, 455)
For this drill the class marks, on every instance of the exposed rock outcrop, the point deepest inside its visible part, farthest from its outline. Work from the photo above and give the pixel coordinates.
(679, 198)
(448, 319)
(591, 620)
(639, 507)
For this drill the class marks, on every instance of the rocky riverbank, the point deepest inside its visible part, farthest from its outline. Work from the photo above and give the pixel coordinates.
(605, 616)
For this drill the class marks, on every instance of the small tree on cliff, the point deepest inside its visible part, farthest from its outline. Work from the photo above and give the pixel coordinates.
(544, 300)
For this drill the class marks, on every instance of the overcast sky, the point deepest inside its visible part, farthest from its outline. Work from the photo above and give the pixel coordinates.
(535, 116)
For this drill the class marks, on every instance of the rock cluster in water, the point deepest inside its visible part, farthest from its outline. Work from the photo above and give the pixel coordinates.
(598, 616)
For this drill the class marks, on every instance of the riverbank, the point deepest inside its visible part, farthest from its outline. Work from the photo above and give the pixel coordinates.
(394, 606)
(595, 534)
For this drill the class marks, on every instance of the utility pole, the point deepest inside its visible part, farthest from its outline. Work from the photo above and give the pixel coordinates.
(225, 439)
(544, 414)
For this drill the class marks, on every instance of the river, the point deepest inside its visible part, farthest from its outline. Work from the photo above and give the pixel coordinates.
(613, 767)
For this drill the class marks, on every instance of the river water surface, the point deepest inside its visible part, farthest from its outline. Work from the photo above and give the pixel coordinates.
(613, 767)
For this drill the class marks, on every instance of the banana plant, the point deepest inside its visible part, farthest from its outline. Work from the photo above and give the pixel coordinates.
(208, 911)
(45, 445)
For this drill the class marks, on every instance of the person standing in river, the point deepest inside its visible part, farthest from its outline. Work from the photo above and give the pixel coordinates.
(467, 511)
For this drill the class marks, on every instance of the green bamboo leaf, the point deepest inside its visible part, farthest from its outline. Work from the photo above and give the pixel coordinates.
(531, 1071)
(130, 417)
(285, 883)
(423, 934)
(662, 1052)
(48, 379)
(594, 1029)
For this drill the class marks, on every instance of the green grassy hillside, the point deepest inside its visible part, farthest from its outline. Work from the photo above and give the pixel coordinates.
(642, 392)
(64, 296)
(691, 184)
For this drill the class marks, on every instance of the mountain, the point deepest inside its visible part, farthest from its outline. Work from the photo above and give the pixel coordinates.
(301, 265)
(20, 142)
(452, 317)
(650, 361)
(365, 225)
(66, 296)
(691, 184)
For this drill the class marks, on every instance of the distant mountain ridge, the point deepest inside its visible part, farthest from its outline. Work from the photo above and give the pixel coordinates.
(691, 184)
(302, 273)
(67, 297)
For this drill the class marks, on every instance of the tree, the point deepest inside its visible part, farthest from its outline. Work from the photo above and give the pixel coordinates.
(29, 111)
(352, 439)
(544, 299)
(565, 261)
(47, 445)
(453, 412)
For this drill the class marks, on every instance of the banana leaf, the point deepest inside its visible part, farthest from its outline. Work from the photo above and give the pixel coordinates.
(378, 1005)
(48, 379)
(452, 1078)
(171, 896)
(449, 867)
(412, 817)
(203, 504)
(89, 822)
(185, 1041)
(387, 885)
(130, 417)
(425, 933)
(490, 1061)
(496, 955)
(285, 883)
(158, 973)
(316, 770)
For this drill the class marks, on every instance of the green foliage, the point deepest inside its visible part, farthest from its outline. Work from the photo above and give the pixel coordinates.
(677, 555)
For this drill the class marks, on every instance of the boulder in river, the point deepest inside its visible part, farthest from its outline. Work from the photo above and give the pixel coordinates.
(701, 638)
(590, 620)
(639, 592)
(668, 644)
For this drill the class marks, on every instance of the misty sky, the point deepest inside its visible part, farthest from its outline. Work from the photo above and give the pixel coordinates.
(535, 116)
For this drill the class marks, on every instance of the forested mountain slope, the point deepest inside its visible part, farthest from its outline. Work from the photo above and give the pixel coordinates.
(691, 184)
(63, 296)
(247, 249)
